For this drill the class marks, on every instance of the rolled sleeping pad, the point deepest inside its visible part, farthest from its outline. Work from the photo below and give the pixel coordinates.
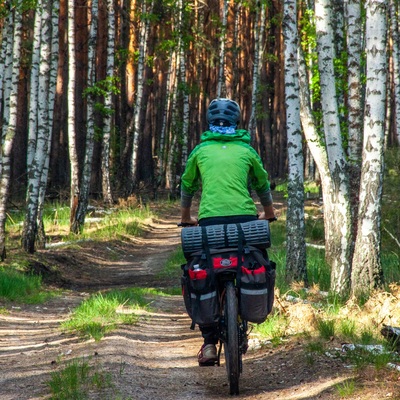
(256, 233)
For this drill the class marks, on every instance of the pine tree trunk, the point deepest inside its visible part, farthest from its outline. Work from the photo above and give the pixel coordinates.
(367, 269)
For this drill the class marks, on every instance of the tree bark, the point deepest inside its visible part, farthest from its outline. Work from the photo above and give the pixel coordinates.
(367, 272)
(296, 269)
(13, 30)
(337, 201)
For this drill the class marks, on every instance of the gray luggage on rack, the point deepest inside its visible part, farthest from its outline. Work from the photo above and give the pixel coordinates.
(256, 233)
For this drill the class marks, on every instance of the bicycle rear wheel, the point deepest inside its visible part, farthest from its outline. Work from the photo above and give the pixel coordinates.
(231, 345)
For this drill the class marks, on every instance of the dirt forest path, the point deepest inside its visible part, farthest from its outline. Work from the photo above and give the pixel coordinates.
(155, 359)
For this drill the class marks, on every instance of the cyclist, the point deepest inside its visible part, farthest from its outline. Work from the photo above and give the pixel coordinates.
(223, 163)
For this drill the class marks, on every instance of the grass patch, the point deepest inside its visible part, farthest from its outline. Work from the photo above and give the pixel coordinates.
(172, 269)
(346, 388)
(21, 288)
(103, 312)
(77, 380)
(273, 328)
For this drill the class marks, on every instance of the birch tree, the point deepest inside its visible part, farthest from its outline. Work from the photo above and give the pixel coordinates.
(394, 30)
(338, 228)
(259, 33)
(354, 102)
(183, 81)
(135, 123)
(221, 88)
(367, 270)
(73, 156)
(295, 223)
(78, 220)
(108, 104)
(11, 39)
(41, 118)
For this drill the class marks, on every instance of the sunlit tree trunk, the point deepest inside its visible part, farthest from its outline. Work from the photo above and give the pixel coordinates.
(394, 30)
(42, 100)
(73, 156)
(314, 141)
(108, 104)
(13, 30)
(259, 32)
(162, 149)
(183, 82)
(367, 269)
(354, 102)
(41, 237)
(83, 200)
(337, 201)
(135, 126)
(221, 87)
(295, 224)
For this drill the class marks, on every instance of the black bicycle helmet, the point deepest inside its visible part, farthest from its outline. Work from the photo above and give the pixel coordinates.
(223, 110)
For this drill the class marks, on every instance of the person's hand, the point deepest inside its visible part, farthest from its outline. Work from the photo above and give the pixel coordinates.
(268, 214)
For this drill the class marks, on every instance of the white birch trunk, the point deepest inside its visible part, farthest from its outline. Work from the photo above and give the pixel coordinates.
(73, 156)
(108, 103)
(394, 30)
(11, 79)
(144, 32)
(170, 154)
(259, 32)
(339, 237)
(354, 48)
(367, 269)
(221, 89)
(354, 102)
(84, 190)
(295, 223)
(162, 153)
(41, 239)
(40, 137)
(185, 96)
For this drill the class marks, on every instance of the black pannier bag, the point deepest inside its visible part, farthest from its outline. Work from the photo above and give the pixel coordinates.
(200, 294)
(256, 282)
(255, 273)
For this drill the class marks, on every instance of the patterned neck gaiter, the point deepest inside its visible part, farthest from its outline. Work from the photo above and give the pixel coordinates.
(224, 130)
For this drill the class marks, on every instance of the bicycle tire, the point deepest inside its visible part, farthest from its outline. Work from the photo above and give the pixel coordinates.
(231, 345)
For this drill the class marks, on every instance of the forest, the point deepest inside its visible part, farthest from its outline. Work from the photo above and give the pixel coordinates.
(106, 99)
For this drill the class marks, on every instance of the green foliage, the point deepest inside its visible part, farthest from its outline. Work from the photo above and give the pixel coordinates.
(346, 388)
(100, 90)
(347, 329)
(326, 328)
(273, 328)
(172, 268)
(77, 380)
(18, 287)
(99, 314)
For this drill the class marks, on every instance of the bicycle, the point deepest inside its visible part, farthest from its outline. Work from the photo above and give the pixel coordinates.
(232, 327)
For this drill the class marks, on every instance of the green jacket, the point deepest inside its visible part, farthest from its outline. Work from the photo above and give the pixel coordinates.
(223, 165)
